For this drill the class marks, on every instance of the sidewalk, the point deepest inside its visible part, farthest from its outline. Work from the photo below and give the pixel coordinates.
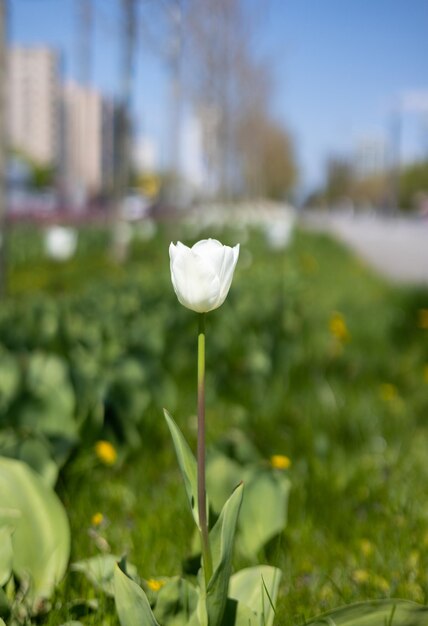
(396, 247)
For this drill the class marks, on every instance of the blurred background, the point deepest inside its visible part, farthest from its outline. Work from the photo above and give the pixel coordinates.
(113, 110)
(142, 101)
(336, 98)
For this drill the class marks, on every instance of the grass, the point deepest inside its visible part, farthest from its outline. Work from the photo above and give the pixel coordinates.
(347, 403)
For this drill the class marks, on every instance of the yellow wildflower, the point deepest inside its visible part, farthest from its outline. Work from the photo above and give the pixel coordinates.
(338, 328)
(106, 452)
(426, 373)
(326, 593)
(388, 392)
(423, 319)
(366, 547)
(381, 583)
(280, 461)
(413, 560)
(413, 591)
(97, 519)
(155, 584)
(360, 576)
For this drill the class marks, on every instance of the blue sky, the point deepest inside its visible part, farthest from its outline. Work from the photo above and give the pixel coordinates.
(340, 67)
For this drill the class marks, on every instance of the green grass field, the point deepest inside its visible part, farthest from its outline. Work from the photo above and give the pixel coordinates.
(312, 356)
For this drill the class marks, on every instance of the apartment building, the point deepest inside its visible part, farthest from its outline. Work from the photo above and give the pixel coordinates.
(33, 91)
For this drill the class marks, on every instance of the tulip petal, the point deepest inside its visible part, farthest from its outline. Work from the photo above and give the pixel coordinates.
(223, 260)
(230, 261)
(194, 281)
(213, 252)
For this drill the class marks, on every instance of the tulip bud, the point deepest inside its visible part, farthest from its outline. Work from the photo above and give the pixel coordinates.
(202, 275)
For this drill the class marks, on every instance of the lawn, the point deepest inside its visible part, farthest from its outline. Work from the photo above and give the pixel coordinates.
(312, 356)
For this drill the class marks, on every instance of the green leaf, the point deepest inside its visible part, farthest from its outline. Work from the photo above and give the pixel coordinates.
(132, 605)
(264, 510)
(257, 588)
(2, 622)
(37, 455)
(188, 466)
(6, 554)
(49, 402)
(10, 376)
(99, 570)
(222, 539)
(377, 613)
(237, 614)
(223, 474)
(41, 539)
(176, 602)
(35, 450)
(4, 603)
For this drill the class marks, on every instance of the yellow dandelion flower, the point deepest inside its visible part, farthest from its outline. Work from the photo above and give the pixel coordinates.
(366, 547)
(360, 576)
(413, 560)
(155, 584)
(413, 591)
(338, 328)
(380, 582)
(426, 373)
(423, 319)
(388, 392)
(106, 452)
(326, 593)
(280, 461)
(97, 519)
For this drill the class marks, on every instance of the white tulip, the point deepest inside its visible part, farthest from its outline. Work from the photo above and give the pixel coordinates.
(202, 275)
(60, 242)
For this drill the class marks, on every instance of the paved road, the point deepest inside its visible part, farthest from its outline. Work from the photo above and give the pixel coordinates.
(396, 247)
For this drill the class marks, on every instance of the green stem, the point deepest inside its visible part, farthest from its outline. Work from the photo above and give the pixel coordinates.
(203, 523)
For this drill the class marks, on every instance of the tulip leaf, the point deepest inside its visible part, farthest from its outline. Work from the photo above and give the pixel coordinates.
(6, 554)
(176, 602)
(41, 537)
(188, 466)
(237, 614)
(257, 588)
(132, 605)
(264, 509)
(36, 454)
(388, 612)
(99, 570)
(222, 539)
(223, 474)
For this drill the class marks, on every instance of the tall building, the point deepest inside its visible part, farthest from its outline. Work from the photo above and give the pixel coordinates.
(33, 89)
(82, 116)
(69, 126)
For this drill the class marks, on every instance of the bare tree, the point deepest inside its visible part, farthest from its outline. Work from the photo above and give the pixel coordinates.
(124, 128)
(233, 93)
(216, 37)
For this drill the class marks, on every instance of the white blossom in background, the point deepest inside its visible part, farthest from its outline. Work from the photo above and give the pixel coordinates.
(60, 243)
(279, 232)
